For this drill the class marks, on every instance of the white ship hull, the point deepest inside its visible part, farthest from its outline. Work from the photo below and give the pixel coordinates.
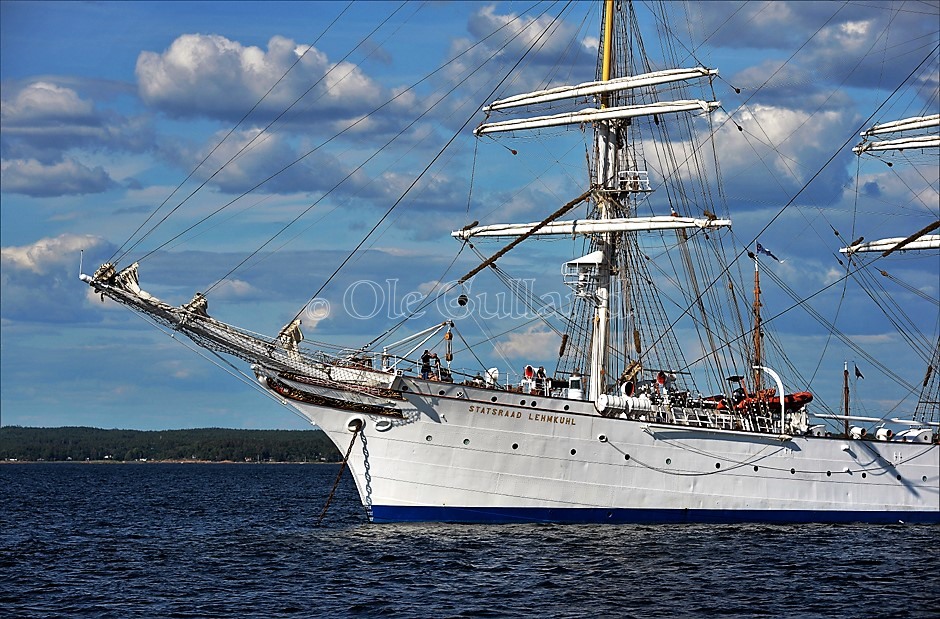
(462, 454)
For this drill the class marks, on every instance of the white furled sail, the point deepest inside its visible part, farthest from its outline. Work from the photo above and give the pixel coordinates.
(588, 89)
(595, 115)
(925, 140)
(906, 124)
(593, 226)
(928, 241)
(917, 141)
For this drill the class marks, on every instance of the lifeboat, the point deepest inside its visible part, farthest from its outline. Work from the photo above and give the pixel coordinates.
(768, 400)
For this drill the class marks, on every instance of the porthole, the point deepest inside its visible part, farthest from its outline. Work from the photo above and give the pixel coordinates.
(522, 402)
(756, 468)
(668, 460)
(792, 471)
(864, 475)
(428, 438)
(534, 402)
(441, 392)
(899, 478)
(924, 478)
(493, 399)
(718, 465)
(515, 445)
(466, 441)
(404, 388)
(567, 407)
(602, 438)
(574, 451)
(828, 473)
(626, 456)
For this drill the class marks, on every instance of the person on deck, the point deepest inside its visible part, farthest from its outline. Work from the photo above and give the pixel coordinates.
(540, 380)
(426, 365)
(437, 365)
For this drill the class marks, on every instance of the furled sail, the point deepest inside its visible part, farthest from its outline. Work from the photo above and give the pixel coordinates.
(588, 89)
(926, 140)
(906, 124)
(594, 114)
(593, 226)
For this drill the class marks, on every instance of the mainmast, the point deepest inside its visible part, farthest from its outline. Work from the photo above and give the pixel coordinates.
(606, 144)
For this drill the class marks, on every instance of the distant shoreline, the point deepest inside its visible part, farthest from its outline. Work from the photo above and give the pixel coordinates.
(201, 445)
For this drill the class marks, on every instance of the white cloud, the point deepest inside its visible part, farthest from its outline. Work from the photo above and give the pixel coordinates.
(43, 120)
(234, 289)
(69, 177)
(49, 253)
(44, 100)
(210, 75)
(533, 343)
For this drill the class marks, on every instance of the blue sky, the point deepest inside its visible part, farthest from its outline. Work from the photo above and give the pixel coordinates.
(108, 106)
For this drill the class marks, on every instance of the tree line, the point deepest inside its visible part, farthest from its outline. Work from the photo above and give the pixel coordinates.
(206, 444)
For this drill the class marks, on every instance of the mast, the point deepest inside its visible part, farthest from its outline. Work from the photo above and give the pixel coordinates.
(627, 97)
(845, 395)
(758, 352)
(606, 148)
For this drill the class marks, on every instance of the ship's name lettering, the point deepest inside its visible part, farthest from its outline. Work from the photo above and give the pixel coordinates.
(568, 421)
(498, 412)
(504, 412)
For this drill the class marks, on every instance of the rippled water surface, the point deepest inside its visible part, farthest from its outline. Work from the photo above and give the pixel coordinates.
(239, 540)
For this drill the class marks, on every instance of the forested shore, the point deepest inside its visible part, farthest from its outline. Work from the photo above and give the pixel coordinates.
(79, 444)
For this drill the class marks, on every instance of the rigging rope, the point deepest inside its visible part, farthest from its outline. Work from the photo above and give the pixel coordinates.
(275, 174)
(430, 164)
(222, 141)
(564, 209)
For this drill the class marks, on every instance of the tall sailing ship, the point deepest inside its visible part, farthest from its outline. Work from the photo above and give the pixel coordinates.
(641, 420)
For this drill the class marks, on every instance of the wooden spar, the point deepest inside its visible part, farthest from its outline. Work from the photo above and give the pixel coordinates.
(567, 207)
(913, 238)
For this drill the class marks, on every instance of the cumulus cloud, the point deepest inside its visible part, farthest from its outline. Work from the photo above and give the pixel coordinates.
(212, 76)
(39, 281)
(43, 102)
(235, 289)
(49, 253)
(533, 343)
(68, 177)
(854, 45)
(42, 119)
(781, 149)
(504, 37)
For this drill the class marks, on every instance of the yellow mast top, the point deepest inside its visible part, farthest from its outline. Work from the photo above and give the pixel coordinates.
(608, 45)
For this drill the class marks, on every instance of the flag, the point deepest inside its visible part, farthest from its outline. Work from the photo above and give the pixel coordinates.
(858, 373)
(763, 250)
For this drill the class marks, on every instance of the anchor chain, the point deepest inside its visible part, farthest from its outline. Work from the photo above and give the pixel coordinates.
(358, 428)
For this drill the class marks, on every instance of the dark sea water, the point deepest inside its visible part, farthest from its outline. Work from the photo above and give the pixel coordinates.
(240, 540)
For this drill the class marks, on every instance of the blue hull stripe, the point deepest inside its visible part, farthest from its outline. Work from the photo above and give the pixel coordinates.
(388, 513)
